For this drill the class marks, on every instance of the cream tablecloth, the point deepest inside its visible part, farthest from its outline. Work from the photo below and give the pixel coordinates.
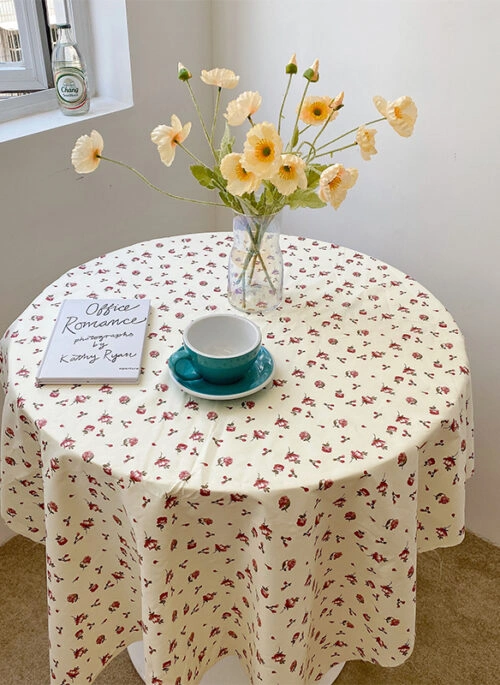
(282, 527)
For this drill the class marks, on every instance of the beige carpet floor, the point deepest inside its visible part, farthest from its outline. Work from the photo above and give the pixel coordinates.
(458, 622)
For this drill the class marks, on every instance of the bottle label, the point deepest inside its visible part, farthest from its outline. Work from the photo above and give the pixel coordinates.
(71, 87)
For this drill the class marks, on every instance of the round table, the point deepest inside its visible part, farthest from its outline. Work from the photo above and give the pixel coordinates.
(282, 527)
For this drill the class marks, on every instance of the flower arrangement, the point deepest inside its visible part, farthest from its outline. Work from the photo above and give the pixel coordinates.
(268, 174)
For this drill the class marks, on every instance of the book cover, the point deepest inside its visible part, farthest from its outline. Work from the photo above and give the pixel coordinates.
(95, 341)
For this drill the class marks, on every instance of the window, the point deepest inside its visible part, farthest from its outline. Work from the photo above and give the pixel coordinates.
(27, 35)
(93, 23)
(24, 47)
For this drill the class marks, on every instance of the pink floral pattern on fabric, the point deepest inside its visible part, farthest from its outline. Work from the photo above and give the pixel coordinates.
(282, 527)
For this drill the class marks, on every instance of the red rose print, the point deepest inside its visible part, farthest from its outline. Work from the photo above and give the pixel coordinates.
(251, 532)
(284, 502)
(163, 462)
(288, 565)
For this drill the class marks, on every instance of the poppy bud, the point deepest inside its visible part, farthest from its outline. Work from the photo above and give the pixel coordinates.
(337, 102)
(312, 74)
(291, 67)
(183, 74)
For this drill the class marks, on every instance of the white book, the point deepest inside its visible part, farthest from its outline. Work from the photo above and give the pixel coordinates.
(96, 341)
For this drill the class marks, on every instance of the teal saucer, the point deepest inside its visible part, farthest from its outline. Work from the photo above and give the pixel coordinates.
(254, 380)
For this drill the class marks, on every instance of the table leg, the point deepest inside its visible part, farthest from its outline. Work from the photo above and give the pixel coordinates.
(227, 671)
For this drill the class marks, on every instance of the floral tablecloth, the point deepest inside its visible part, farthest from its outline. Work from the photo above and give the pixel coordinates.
(282, 527)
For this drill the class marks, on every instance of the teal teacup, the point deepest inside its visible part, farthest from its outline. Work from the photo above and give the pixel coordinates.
(220, 348)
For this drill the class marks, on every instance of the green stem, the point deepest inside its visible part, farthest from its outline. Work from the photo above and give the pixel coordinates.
(295, 134)
(252, 268)
(338, 149)
(244, 290)
(216, 112)
(304, 142)
(254, 253)
(151, 185)
(202, 122)
(188, 152)
(283, 102)
(347, 133)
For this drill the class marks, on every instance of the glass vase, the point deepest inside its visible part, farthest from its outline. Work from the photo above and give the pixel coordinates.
(255, 271)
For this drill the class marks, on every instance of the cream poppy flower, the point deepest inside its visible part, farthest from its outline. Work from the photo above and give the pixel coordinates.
(291, 175)
(262, 151)
(243, 107)
(167, 137)
(365, 138)
(334, 183)
(85, 156)
(239, 180)
(401, 113)
(223, 78)
(316, 110)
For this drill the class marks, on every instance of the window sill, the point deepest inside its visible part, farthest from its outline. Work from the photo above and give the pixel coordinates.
(46, 121)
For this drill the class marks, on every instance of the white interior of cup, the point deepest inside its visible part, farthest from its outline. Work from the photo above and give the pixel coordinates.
(222, 336)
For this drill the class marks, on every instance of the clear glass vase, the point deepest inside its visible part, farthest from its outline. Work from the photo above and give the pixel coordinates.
(255, 272)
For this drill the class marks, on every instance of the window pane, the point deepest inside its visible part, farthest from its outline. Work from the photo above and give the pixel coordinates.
(56, 12)
(26, 41)
(10, 45)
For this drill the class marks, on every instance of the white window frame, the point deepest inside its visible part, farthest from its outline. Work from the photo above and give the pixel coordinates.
(92, 23)
(31, 72)
(31, 23)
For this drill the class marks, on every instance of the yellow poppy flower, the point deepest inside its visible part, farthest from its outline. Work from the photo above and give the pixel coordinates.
(239, 180)
(365, 138)
(334, 183)
(262, 150)
(85, 156)
(243, 107)
(291, 175)
(167, 137)
(316, 110)
(223, 78)
(401, 114)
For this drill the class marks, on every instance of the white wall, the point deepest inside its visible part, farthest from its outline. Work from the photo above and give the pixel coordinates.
(51, 219)
(426, 205)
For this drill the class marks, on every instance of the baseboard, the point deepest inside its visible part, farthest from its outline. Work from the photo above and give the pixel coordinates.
(5, 533)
